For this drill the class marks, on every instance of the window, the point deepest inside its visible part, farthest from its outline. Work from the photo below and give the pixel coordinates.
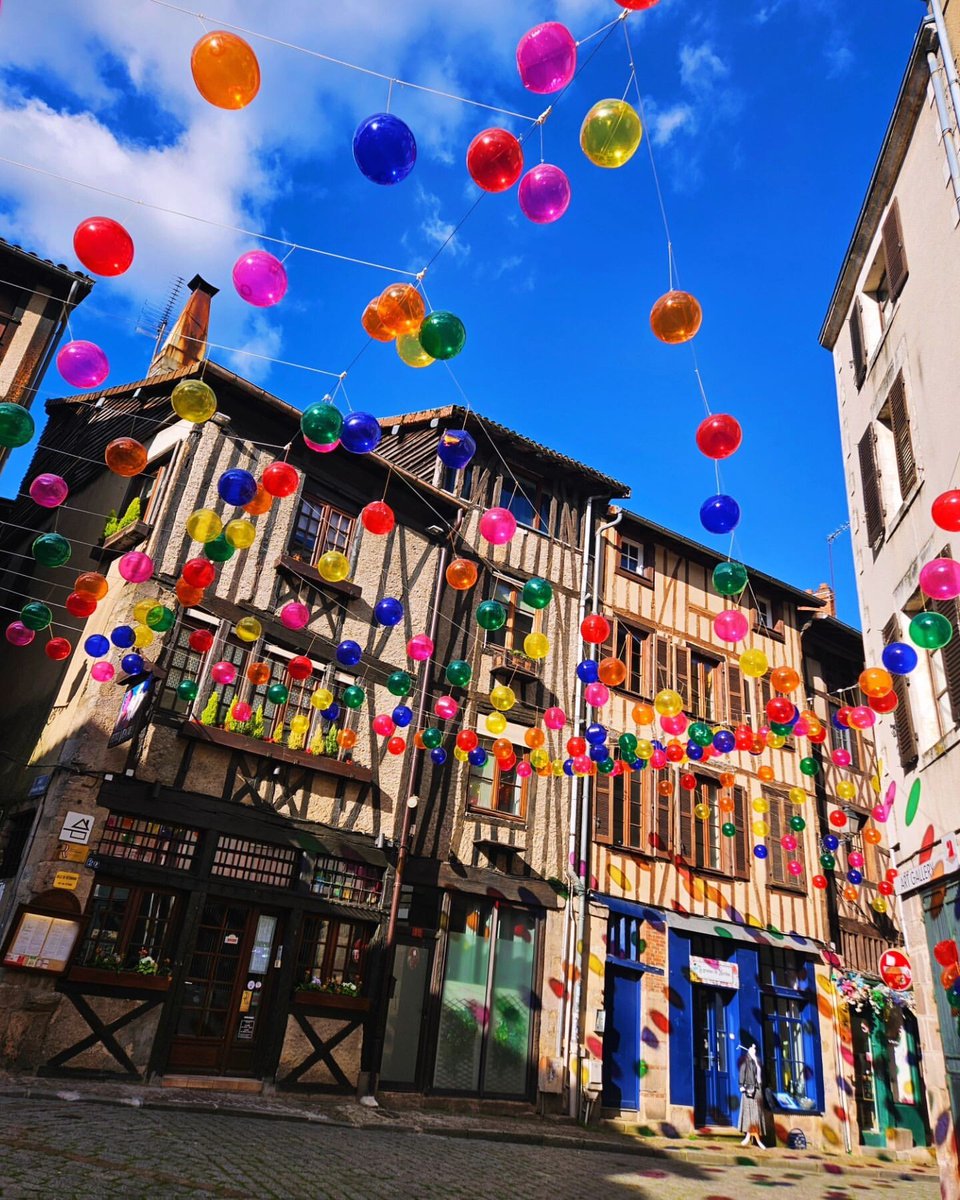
(784, 1045)
(790, 1026)
(843, 737)
(256, 862)
(317, 528)
(126, 924)
(704, 700)
(883, 283)
(521, 618)
(939, 672)
(332, 951)
(13, 839)
(148, 843)
(149, 488)
(628, 643)
(184, 664)
(529, 502)
(703, 844)
(635, 559)
(778, 818)
(491, 789)
(894, 428)
(903, 725)
(768, 617)
(870, 483)
(458, 483)
(629, 812)
(351, 882)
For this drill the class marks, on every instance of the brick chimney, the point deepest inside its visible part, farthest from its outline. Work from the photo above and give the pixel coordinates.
(186, 343)
(825, 593)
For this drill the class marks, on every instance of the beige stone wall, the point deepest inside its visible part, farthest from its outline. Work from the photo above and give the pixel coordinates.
(296, 1048)
(20, 343)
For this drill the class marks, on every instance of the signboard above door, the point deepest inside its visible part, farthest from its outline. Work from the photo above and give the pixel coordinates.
(714, 972)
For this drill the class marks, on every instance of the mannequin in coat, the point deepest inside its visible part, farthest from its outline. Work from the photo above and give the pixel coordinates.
(751, 1098)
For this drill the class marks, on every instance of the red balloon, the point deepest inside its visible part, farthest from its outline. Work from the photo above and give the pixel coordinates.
(819, 881)
(103, 246)
(637, 5)
(199, 572)
(719, 436)
(884, 704)
(201, 640)
(843, 715)
(58, 649)
(743, 736)
(674, 752)
(575, 746)
(780, 709)
(467, 740)
(885, 887)
(595, 629)
(396, 745)
(838, 818)
(377, 517)
(688, 782)
(280, 479)
(818, 737)
(495, 160)
(946, 511)
(79, 604)
(299, 667)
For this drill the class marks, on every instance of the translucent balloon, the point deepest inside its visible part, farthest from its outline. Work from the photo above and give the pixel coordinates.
(49, 491)
(333, 566)
(399, 683)
(537, 593)
(442, 335)
(16, 426)
(18, 634)
(461, 574)
(595, 629)
(103, 672)
(719, 514)
(596, 694)
(719, 436)
(610, 133)
(754, 663)
(280, 479)
(299, 668)
(676, 317)
(36, 615)
(135, 566)
(248, 629)
(497, 526)
(317, 448)
(930, 630)
(946, 511)
(260, 278)
(225, 70)
(730, 578)
(495, 160)
(219, 550)
(83, 364)
(547, 58)
(384, 149)
(58, 649)
(160, 618)
(187, 595)
(446, 708)
(294, 615)
(411, 352)
(899, 658)
(243, 712)
(240, 533)
(203, 525)
(103, 246)
(373, 326)
(236, 486)
(321, 699)
(200, 641)
(491, 615)
(731, 625)
(554, 718)
(322, 423)
(502, 698)
(401, 309)
(784, 680)
(875, 681)
(456, 448)
(351, 696)
(361, 433)
(125, 456)
(940, 579)
(668, 702)
(188, 690)
(544, 194)
(419, 647)
(278, 693)
(388, 611)
(536, 646)
(193, 400)
(611, 671)
(495, 723)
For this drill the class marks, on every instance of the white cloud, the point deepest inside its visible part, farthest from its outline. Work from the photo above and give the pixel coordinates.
(665, 123)
(436, 229)
(701, 67)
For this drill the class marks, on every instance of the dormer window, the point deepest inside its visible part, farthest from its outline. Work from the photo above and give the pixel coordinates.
(529, 502)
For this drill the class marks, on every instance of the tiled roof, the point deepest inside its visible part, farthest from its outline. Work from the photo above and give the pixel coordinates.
(47, 262)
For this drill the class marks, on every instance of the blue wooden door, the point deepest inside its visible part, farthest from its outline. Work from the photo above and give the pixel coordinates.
(621, 1038)
(714, 1087)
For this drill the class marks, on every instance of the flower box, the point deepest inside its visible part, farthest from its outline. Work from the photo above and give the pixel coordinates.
(306, 998)
(127, 980)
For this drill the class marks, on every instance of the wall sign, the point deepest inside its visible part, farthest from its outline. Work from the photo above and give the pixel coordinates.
(714, 972)
(895, 970)
(41, 943)
(76, 828)
(132, 712)
(946, 856)
(67, 880)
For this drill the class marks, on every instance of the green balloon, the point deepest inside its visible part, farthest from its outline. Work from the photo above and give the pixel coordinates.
(798, 824)
(51, 550)
(16, 426)
(36, 615)
(930, 630)
(537, 593)
(606, 766)
(458, 673)
(827, 861)
(729, 578)
(399, 683)
(628, 744)
(442, 335)
(782, 730)
(187, 689)
(277, 693)
(809, 766)
(322, 423)
(219, 550)
(161, 619)
(431, 738)
(701, 733)
(491, 615)
(728, 829)
(353, 696)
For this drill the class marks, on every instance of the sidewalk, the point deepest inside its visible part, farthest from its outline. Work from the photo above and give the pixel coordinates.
(517, 1124)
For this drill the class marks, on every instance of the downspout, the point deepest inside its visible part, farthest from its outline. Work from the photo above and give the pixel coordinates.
(946, 50)
(585, 840)
(946, 132)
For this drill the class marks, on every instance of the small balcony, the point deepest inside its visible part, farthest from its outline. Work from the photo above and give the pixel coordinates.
(328, 764)
(513, 662)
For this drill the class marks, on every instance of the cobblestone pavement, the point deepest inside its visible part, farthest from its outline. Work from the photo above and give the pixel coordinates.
(90, 1151)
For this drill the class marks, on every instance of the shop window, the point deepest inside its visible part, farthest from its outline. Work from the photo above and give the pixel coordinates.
(628, 811)
(332, 952)
(317, 528)
(353, 883)
(521, 618)
(256, 862)
(784, 1044)
(635, 559)
(791, 1033)
(529, 501)
(491, 789)
(148, 842)
(126, 925)
(630, 644)
(778, 818)
(13, 840)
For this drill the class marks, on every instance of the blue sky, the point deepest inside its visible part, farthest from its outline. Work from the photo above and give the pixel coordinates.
(765, 118)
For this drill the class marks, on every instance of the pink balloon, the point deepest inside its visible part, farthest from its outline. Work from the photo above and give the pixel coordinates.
(862, 717)
(319, 448)
(83, 364)
(241, 711)
(801, 729)
(294, 615)
(18, 634)
(731, 625)
(383, 724)
(940, 579)
(788, 842)
(546, 58)
(260, 279)
(103, 672)
(446, 708)
(658, 760)
(498, 525)
(881, 813)
(544, 194)
(420, 647)
(135, 566)
(554, 718)
(223, 672)
(855, 858)
(596, 694)
(795, 867)
(524, 770)
(49, 490)
(840, 757)
(582, 764)
(673, 725)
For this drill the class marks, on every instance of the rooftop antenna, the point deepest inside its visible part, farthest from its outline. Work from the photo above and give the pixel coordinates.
(831, 538)
(154, 319)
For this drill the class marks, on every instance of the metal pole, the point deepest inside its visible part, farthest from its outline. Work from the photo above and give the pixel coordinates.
(946, 52)
(945, 129)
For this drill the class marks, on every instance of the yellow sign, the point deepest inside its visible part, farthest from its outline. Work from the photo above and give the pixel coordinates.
(73, 853)
(245, 1001)
(66, 879)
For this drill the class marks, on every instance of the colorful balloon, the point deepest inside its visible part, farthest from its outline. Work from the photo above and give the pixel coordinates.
(442, 335)
(491, 615)
(322, 423)
(388, 612)
(125, 456)
(201, 640)
(784, 680)
(461, 575)
(194, 401)
(373, 326)
(36, 615)
(497, 526)
(49, 491)
(240, 533)
(754, 663)
(361, 433)
(83, 364)
(348, 653)
(248, 629)
(719, 436)
(899, 658)
(225, 70)
(280, 479)
(419, 647)
(135, 566)
(502, 698)
(16, 427)
(595, 629)
(18, 634)
(260, 278)
(384, 149)
(731, 625)
(675, 318)
(203, 525)
(930, 630)
(610, 133)
(103, 672)
(875, 682)
(536, 646)
(537, 593)
(294, 615)
(547, 58)
(946, 511)
(410, 351)
(940, 579)
(400, 309)
(219, 550)
(719, 514)
(237, 487)
(333, 566)
(456, 448)
(544, 194)
(58, 649)
(729, 578)
(103, 246)
(495, 160)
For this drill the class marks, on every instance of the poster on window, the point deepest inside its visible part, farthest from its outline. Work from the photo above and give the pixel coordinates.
(132, 712)
(714, 972)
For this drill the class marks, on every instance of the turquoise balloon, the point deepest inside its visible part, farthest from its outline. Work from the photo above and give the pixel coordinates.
(35, 615)
(491, 615)
(51, 550)
(537, 593)
(458, 673)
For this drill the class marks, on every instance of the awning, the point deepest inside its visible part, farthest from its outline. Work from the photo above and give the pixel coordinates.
(335, 845)
(521, 889)
(628, 908)
(758, 935)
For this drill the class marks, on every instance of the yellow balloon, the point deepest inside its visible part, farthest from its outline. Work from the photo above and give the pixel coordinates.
(558, 766)
(775, 740)
(460, 755)
(702, 812)
(240, 533)
(878, 904)
(536, 645)
(610, 133)
(204, 525)
(321, 699)
(644, 748)
(193, 400)
(411, 352)
(539, 758)
(333, 566)
(846, 789)
(761, 828)
(143, 636)
(299, 724)
(797, 795)
(503, 697)
(141, 609)
(754, 663)
(496, 723)
(668, 703)
(761, 805)
(248, 629)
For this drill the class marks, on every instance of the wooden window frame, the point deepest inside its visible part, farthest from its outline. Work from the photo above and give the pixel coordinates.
(495, 785)
(655, 832)
(644, 575)
(874, 513)
(734, 850)
(125, 943)
(897, 269)
(858, 346)
(775, 629)
(699, 687)
(536, 494)
(512, 638)
(621, 645)
(321, 543)
(895, 416)
(778, 877)
(320, 928)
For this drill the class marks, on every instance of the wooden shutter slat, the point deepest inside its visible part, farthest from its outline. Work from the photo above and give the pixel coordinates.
(894, 252)
(950, 655)
(662, 808)
(857, 345)
(682, 673)
(742, 845)
(775, 858)
(661, 666)
(684, 846)
(870, 482)
(602, 794)
(902, 717)
(902, 441)
(735, 693)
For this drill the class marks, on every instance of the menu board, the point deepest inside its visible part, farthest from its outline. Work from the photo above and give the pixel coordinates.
(41, 943)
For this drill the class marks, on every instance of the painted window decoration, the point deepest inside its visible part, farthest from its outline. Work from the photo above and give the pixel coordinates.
(128, 929)
(350, 882)
(332, 955)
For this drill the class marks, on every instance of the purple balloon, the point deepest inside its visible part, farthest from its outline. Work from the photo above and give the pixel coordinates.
(49, 490)
(547, 58)
(544, 194)
(18, 634)
(83, 365)
(260, 279)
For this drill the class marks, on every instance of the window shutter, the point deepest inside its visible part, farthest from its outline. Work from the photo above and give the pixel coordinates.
(950, 655)
(870, 481)
(735, 693)
(660, 835)
(902, 716)
(857, 344)
(893, 251)
(684, 846)
(903, 443)
(661, 662)
(741, 841)
(775, 859)
(682, 676)
(602, 795)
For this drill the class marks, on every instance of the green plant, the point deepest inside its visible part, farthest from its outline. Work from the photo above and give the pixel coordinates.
(295, 740)
(111, 526)
(106, 960)
(330, 745)
(258, 726)
(131, 515)
(209, 714)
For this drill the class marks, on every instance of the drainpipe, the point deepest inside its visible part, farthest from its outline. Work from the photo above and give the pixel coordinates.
(584, 851)
(946, 50)
(946, 132)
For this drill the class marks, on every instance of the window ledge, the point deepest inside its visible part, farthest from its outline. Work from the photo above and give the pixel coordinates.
(323, 763)
(775, 635)
(312, 576)
(514, 661)
(635, 577)
(789, 889)
(121, 541)
(491, 814)
(904, 508)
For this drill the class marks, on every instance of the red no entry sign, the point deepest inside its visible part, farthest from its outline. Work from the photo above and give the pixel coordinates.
(895, 970)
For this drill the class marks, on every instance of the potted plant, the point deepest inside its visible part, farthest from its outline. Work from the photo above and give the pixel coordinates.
(314, 993)
(106, 968)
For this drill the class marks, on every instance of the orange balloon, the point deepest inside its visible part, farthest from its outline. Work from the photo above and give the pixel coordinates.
(400, 309)
(765, 773)
(676, 317)
(850, 892)
(725, 804)
(502, 748)
(876, 682)
(346, 739)
(188, 595)
(814, 728)
(225, 70)
(784, 679)
(372, 323)
(611, 671)
(665, 787)
(91, 584)
(462, 574)
(125, 456)
(260, 504)
(258, 673)
(643, 714)
(728, 779)
(872, 836)
(418, 740)
(534, 738)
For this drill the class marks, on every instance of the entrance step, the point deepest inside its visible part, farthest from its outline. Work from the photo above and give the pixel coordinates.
(213, 1083)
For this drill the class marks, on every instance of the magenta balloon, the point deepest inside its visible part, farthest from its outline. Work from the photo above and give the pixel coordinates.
(940, 579)
(103, 672)
(260, 279)
(135, 566)
(223, 672)
(446, 708)
(547, 58)
(524, 770)
(840, 756)
(383, 724)
(49, 490)
(596, 694)
(18, 634)
(320, 449)
(673, 725)
(658, 760)
(498, 525)
(731, 625)
(420, 647)
(83, 365)
(544, 194)
(554, 718)
(294, 615)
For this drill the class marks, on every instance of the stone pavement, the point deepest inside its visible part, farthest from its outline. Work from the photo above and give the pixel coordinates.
(97, 1151)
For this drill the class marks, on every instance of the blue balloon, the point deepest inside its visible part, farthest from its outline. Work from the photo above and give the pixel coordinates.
(854, 876)
(388, 611)
(438, 755)
(794, 718)
(694, 752)
(331, 713)
(348, 654)
(837, 724)
(760, 850)
(477, 756)
(402, 716)
(595, 734)
(657, 744)
(384, 148)
(96, 645)
(123, 637)
(587, 671)
(568, 766)
(639, 764)
(599, 752)
(236, 487)
(724, 741)
(719, 514)
(361, 433)
(131, 664)
(899, 658)
(831, 842)
(456, 448)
